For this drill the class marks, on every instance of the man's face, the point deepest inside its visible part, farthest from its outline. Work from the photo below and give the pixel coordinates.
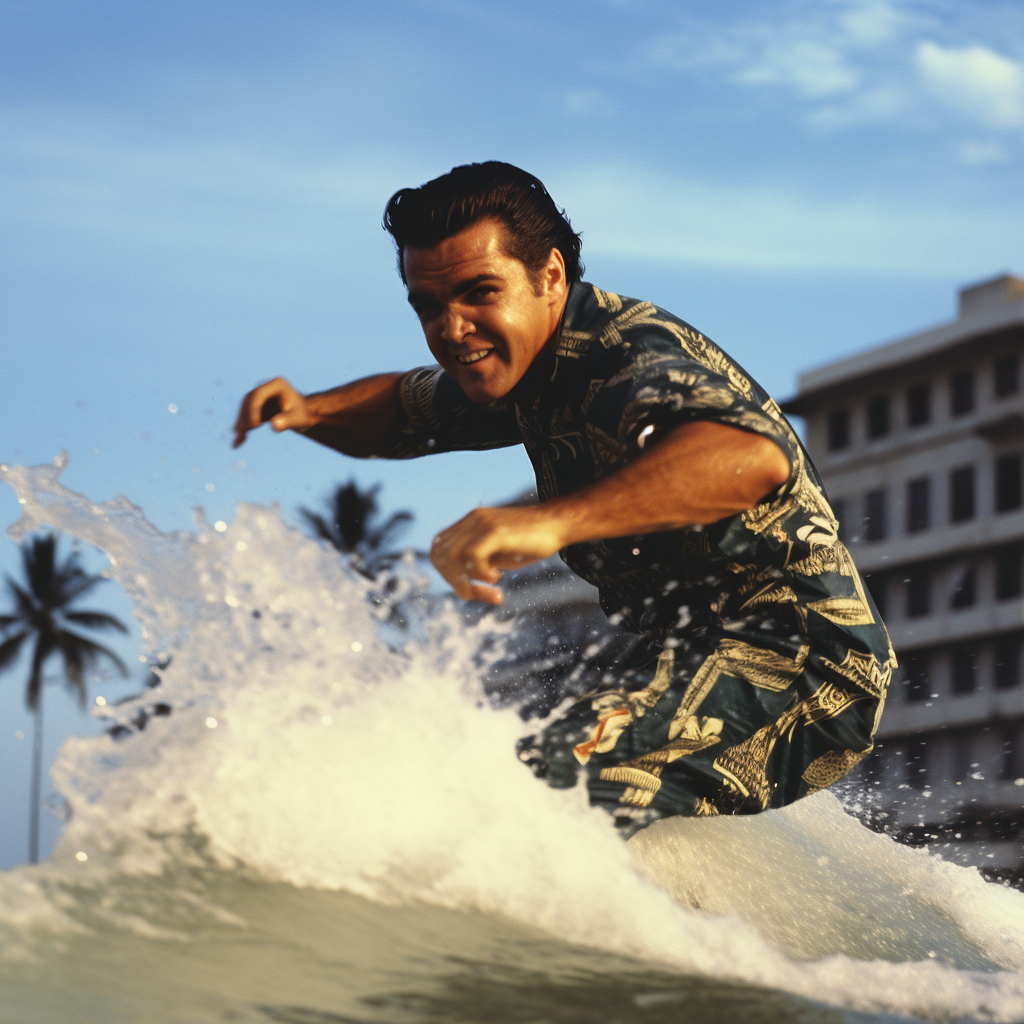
(484, 317)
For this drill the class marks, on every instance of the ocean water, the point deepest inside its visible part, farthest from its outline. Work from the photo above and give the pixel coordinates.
(324, 830)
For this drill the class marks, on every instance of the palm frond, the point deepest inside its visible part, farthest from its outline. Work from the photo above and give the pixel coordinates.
(75, 586)
(6, 621)
(74, 658)
(11, 648)
(22, 598)
(96, 620)
(320, 526)
(389, 531)
(91, 651)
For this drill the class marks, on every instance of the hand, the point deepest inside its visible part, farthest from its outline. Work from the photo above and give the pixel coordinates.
(472, 553)
(276, 402)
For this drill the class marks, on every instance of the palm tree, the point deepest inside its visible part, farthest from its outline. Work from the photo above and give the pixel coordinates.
(42, 611)
(350, 527)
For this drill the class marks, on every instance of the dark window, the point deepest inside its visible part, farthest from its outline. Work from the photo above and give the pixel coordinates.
(1007, 651)
(839, 511)
(919, 404)
(917, 764)
(963, 756)
(1007, 483)
(1007, 375)
(919, 593)
(964, 664)
(964, 591)
(877, 587)
(961, 494)
(915, 677)
(838, 429)
(961, 392)
(878, 417)
(1012, 767)
(1008, 573)
(918, 504)
(875, 515)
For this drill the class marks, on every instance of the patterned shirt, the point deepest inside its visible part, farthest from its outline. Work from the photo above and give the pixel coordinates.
(616, 376)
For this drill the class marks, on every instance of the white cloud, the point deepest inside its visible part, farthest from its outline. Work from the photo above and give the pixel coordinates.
(812, 67)
(974, 80)
(976, 153)
(846, 62)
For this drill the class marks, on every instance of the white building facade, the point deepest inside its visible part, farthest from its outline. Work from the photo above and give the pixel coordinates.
(920, 445)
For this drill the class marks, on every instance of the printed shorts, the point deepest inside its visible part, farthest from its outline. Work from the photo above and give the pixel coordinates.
(733, 728)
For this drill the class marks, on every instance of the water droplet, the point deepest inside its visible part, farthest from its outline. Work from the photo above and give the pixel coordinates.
(356, 646)
(240, 545)
(102, 701)
(211, 487)
(220, 526)
(172, 408)
(326, 720)
(211, 723)
(19, 735)
(82, 856)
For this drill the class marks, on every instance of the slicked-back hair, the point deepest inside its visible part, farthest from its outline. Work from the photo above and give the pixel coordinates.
(422, 217)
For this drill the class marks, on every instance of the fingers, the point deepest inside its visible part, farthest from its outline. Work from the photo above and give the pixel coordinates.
(276, 402)
(472, 554)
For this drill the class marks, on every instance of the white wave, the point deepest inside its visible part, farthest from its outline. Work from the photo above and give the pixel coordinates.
(302, 748)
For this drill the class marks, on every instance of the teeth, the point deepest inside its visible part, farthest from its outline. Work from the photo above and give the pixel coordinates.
(474, 357)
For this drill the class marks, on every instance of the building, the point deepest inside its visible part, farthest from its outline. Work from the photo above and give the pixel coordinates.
(919, 443)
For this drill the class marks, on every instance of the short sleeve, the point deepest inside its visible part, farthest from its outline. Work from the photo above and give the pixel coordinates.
(661, 385)
(440, 418)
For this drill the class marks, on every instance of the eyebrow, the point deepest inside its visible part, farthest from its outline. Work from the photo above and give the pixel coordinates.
(460, 289)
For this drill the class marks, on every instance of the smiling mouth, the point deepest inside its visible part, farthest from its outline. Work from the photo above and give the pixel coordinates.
(474, 357)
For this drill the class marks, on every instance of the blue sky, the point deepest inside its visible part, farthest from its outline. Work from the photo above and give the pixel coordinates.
(192, 200)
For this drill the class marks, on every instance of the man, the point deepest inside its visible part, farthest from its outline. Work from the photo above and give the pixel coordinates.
(666, 477)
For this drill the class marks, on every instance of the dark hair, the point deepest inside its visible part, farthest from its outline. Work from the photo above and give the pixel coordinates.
(424, 216)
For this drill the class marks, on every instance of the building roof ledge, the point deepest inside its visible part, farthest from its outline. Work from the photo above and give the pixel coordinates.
(989, 306)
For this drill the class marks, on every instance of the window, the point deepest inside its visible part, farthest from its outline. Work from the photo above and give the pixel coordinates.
(915, 676)
(1007, 375)
(1012, 767)
(961, 494)
(919, 593)
(878, 417)
(839, 511)
(964, 588)
(964, 665)
(1008, 483)
(964, 762)
(1007, 661)
(877, 587)
(875, 515)
(838, 429)
(919, 404)
(918, 504)
(1008, 573)
(917, 764)
(961, 393)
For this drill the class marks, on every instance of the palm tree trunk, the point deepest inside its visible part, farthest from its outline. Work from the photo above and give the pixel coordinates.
(37, 770)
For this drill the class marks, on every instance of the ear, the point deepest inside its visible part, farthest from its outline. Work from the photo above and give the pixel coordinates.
(552, 278)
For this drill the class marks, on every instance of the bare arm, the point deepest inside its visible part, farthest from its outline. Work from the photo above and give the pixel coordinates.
(361, 418)
(699, 473)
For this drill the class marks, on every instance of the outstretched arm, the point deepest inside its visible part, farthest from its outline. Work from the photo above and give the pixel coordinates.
(361, 418)
(699, 473)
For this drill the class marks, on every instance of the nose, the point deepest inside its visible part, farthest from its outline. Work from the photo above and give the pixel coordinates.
(455, 326)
